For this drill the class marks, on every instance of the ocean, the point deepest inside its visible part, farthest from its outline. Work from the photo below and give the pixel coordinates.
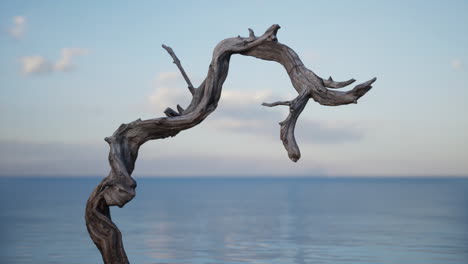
(245, 220)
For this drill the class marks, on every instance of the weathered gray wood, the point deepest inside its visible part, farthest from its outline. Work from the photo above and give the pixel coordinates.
(182, 71)
(118, 188)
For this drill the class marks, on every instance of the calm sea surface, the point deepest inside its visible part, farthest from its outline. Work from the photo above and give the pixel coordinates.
(243, 221)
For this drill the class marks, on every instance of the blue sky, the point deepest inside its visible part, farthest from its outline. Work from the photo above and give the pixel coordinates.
(72, 72)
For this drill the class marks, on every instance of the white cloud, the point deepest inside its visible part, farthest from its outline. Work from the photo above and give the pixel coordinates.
(240, 111)
(170, 91)
(311, 57)
(457, 64)
(168, 77)
(18, 28)
(39, 64)
(65, 63)
(243, 98)
(35, 64)
(307, 131)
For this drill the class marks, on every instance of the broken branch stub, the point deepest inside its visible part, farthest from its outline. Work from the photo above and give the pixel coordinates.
(118, 188)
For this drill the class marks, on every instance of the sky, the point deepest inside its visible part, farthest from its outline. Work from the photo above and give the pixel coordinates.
(72, 71)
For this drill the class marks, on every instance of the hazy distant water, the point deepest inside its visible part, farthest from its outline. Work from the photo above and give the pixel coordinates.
(244, 221)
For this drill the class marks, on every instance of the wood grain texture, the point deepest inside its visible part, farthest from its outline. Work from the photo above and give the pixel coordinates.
(118, 188)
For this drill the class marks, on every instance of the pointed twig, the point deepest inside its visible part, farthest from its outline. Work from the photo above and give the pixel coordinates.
(170, 112)
(180, 109)
(330, 83)
(182, 71)
(361, 89)
(251, 35)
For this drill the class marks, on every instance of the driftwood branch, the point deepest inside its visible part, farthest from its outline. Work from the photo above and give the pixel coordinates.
(181, 69)
(118, 188)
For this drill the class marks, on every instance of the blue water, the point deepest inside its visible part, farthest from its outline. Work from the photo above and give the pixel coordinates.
(243, 221)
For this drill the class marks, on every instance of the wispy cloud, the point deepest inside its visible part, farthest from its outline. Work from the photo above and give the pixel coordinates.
(38, 64)
(65, 62)
(35, 64)
(307, 131)
(311, 57)
(19, 27)
(19, 158)
(170, 91)
(237, 98)
(52, 158)
(240, 111)
(457, 64)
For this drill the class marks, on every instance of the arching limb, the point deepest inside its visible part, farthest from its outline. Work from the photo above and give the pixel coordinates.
(118, 188)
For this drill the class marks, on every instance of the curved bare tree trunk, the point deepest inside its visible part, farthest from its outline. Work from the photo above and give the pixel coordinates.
(118, 188)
